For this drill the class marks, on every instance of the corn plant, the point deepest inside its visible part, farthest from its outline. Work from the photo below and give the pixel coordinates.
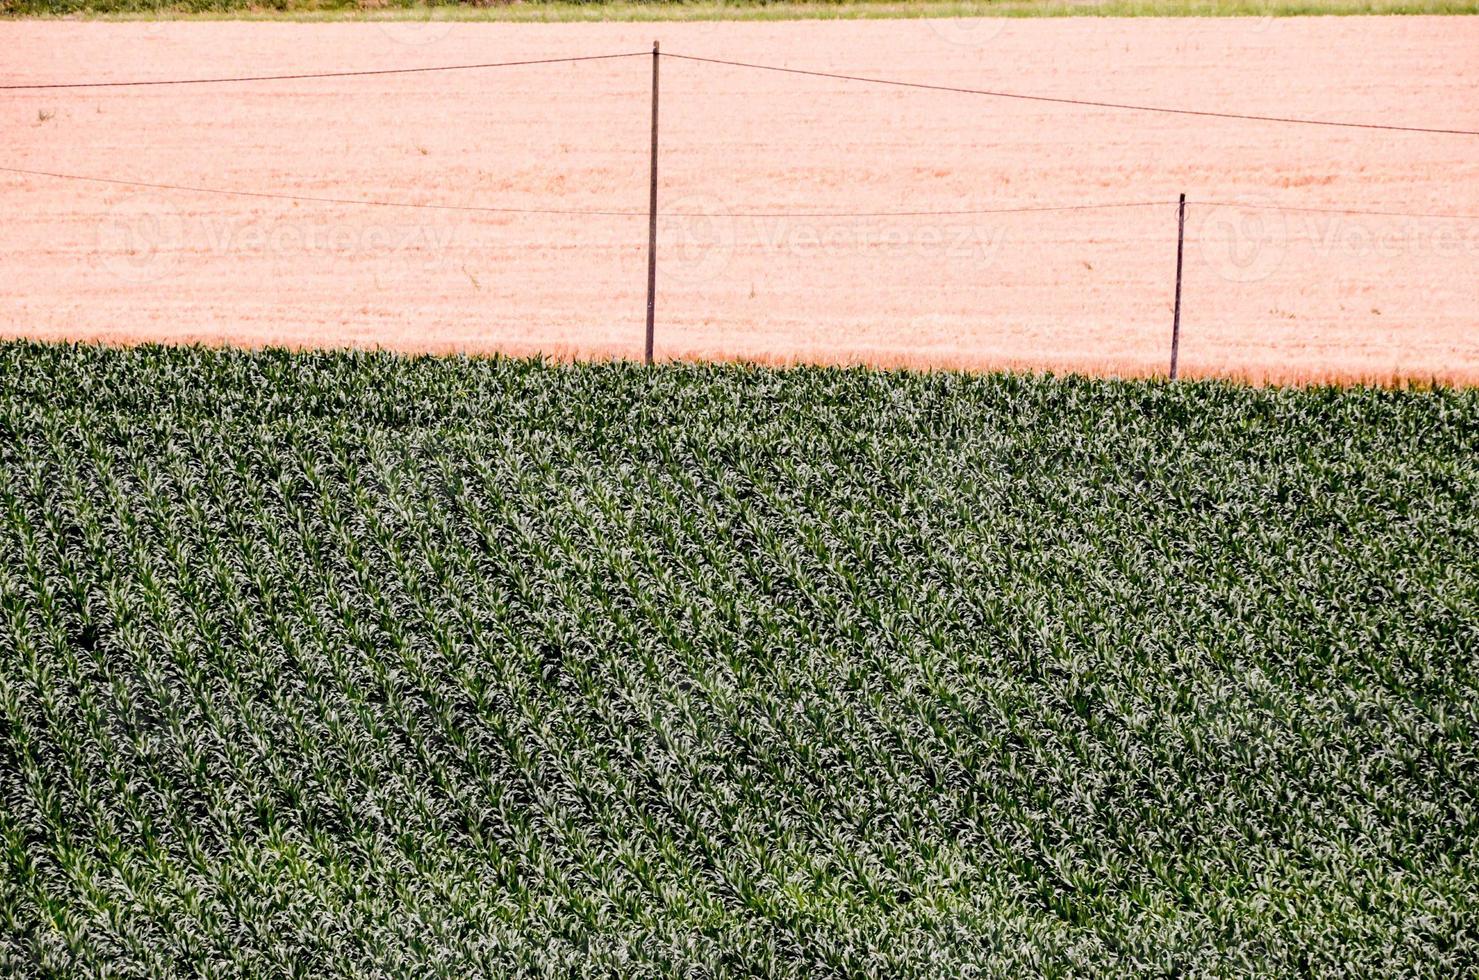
(353, 664)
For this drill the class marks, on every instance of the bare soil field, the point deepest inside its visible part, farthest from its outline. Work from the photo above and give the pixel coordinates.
(1268, 295)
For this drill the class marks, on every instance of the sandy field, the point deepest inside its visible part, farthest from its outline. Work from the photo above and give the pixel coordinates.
(1267, 296)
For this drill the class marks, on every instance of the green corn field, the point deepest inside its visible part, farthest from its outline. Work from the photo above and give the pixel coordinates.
(366, 665)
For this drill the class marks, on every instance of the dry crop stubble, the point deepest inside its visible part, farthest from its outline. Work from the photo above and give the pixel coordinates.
(1088, 290)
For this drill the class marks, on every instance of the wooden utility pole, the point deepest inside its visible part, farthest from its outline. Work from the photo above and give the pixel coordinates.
(652, 217)
(1180, 244)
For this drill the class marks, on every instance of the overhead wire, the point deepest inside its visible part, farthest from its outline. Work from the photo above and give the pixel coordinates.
(373, 202)
(135, 83)
(315, 199)
(1063, 100)
(717, 213)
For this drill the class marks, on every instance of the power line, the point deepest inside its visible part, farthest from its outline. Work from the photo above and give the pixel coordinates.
(323, 74)
(1079, 102)
(1390, 214)
(1030, 209)
(367, 202)
(363, 202)
(922, 214)
(1060, 100)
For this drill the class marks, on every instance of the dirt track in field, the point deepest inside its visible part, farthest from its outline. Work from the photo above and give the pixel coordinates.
(1267, 295)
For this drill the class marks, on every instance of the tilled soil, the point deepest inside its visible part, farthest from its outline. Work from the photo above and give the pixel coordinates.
(746, 156)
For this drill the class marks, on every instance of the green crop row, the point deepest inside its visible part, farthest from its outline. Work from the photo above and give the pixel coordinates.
(356, 664)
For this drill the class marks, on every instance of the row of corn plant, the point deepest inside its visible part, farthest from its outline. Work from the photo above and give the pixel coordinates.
(354, 664)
